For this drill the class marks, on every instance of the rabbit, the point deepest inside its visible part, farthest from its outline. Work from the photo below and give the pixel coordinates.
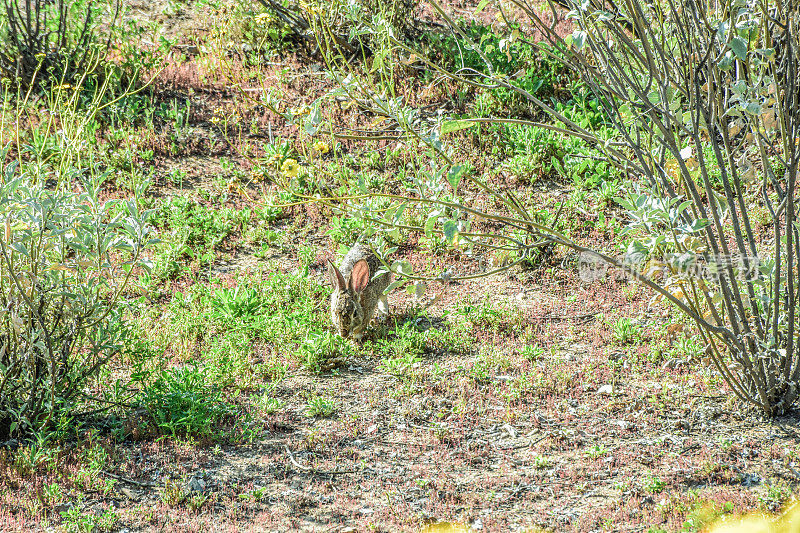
(355, 294)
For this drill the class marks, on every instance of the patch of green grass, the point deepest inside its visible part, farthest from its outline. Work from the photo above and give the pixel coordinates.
(95, 459)
(268, 404)
(489, 362)
(38, 454)
(344, 230)
(626, 331)
(235, 305)
(323, 350)
(489, 314)
(182, 402)
(776, 493)
(532, 353)
(653, 484)
(256, 495)
(534, 153)
(320, 406)
(401, 365)
(77, 521)
(52, 494)
(596, 451)
(688, 347)
(704, 514)
(405, 338)
(531, 67)
(540, 462)
(192, 231)
(173, 493)
(229, 364)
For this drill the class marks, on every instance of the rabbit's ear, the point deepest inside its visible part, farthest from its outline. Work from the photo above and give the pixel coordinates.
(359, 277)
(335, 277)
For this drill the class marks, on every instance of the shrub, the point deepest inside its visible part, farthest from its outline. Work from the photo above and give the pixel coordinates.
(702, 100)
(65, 258)
(55, 40)
(317, 20)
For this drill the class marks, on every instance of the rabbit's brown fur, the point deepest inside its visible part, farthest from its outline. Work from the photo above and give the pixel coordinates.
(356, 294)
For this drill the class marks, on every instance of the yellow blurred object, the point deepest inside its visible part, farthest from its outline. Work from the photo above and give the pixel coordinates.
(789, 522)
(290, 167)
(321, 147)
(445, 527)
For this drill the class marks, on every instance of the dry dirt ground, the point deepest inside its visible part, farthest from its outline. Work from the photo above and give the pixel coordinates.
(586, 451)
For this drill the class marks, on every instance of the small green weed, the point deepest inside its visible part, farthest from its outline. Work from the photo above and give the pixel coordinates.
(541, 462)
(399, 366)
(76, 521)
(596, 451)
(532, 353)
(704, 514)
(626, 331)
(181, 402)
(235, 305)
(653, 484)
(268, 404)
(173, 493)
(319, 406)
(52, 494)
(775, 495)
(323, 351)
(256, 495)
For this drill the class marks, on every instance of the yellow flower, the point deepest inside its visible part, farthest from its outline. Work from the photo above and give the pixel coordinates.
(321, 147)
(217, 116)
(300, 111)
(264, 19)
(309, 8)
(290, 168)
(63, 87)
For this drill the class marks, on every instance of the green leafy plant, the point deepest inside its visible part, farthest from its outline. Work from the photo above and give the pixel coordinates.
(653, 484)
(338, 19)
(320, 406)
(625, 331)
(323, 350)
(173, 493)
(235, 304)
(35, 455)
(78, 521)
(181, 402)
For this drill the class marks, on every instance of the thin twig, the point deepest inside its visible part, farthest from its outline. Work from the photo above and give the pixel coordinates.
(129, 480)
(314, 470)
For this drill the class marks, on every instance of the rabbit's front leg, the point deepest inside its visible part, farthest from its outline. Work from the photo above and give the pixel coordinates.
(383, 306)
